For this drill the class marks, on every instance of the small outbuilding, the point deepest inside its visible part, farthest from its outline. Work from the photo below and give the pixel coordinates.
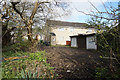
(84, 41)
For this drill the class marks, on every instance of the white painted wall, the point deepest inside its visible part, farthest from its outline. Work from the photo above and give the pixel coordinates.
(63, 33)
(74, 42)
(91, 42)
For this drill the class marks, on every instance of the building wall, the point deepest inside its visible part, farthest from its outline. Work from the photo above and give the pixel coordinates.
(63, 33)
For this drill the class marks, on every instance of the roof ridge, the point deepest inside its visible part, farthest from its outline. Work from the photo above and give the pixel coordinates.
(64, 23)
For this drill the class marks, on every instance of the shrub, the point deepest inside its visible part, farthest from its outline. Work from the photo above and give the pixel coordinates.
(104, 73)
(35, 66)
(20, 46)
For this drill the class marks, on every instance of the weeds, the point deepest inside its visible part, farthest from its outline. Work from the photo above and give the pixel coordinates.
(106, 74)
(35, 66)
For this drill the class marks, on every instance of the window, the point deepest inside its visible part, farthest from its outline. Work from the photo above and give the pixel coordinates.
(71, 29)
(53, 39)
(61, 29)
(92, 39)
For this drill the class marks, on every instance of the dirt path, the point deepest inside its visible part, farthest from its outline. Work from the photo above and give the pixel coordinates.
(73, 62)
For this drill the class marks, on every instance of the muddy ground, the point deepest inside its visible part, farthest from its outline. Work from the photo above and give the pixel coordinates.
(74, 63)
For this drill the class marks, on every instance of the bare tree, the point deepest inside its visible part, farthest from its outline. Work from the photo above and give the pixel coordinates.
(43, 7)
(31, 14)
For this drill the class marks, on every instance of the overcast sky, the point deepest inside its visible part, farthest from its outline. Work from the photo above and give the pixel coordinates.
(85, 6)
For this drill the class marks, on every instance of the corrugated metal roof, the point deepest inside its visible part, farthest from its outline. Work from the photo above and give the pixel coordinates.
(83, 35)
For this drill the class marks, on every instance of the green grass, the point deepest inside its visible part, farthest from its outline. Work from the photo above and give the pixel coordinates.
(34, 66)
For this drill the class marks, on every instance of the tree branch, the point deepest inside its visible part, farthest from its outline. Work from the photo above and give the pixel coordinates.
(97, 16)
(93, 6)
(16, 10)
(34, 10)
(23, 8)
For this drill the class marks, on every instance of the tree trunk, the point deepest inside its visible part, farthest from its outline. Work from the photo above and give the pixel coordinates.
(6, 36)
(30, 34)
(29, 29)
